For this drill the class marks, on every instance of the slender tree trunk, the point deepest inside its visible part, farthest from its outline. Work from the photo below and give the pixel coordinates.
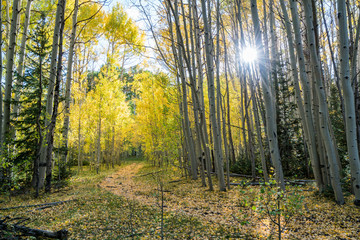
(355, 78)
(228, 115)
(79, 140)
(195, 95)
(211, 92)
(231, 154)
(203, 126)
(218, 86)
(98, 153)
(68, 83)
(274, 58)
(181, 56)
(304, 113)
(258, 132)
(1, 70)
(324, 114)
(50, 134)
(8, 21)
(10, 54)
(351, 135)
(20, 68)
(50, 93)
(270, 110)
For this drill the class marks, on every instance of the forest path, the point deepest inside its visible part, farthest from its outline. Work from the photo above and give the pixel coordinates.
(234, 209)
(181, 196)
(123, 183)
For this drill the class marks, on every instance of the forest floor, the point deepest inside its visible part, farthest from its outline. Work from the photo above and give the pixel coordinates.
(138, 201)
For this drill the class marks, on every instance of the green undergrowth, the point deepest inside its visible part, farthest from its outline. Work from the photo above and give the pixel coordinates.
(94, 213)
(188, 210)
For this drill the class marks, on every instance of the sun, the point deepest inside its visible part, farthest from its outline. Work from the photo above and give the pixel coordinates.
(249, 54)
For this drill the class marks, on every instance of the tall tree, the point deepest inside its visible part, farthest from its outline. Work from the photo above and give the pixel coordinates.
(323, 109)
(50, 93)
(65, 129)
(305, 111)
(10, 55)
(270, 109)
(218, 156)
(20, 68)
(52, 123)
(351, 135)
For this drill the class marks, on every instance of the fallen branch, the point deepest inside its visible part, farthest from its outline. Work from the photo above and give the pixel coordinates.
(242, 175)
(146, 174)
(176, 181)
(254, 183)
(39, 205)
(26, 231)
(248, 183)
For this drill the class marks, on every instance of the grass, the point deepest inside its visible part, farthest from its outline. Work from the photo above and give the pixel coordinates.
(98, 214)
(190, 211)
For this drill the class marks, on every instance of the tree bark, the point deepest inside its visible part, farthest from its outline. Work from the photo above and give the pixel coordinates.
(20, 68)
(50, 92)
(305, 114)
(349, 103)
(270, 110)
(1, 70)
(50, 133)
(211, 92)
(9, 72)
(203, 127)
(68, 84)
(187, 131)
(323, 109)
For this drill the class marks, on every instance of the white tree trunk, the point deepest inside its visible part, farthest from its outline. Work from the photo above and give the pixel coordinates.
(68, 83)
(20, 68)
(50, 93)
(1, 70)
(305, 114)
(270, 109)
(323, 109)
(9, 71)
(349, 101)
(211, 92)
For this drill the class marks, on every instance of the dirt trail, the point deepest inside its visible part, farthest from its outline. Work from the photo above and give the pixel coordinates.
(231, 208)
(123, 183)
(181, 197)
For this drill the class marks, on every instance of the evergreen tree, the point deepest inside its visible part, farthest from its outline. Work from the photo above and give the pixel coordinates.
(31, 116)
(289, 128)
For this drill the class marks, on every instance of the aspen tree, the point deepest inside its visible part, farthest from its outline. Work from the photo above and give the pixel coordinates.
(1, 70)
(218, 87)
(305, 114)
(211, 92)
(1, 96)
(270, 110)
(203, 126)
(20, 68)
(187, 131)
(10, 55)
(50, 92)
(258, 133)
(349, 103)
(7, 19)
(323, 109)
(68, 82)
(226, 119)
(228, 116)
(52, 124)
(194, 93)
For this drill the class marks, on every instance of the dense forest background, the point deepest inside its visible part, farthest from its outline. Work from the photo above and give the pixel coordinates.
(268, 89)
